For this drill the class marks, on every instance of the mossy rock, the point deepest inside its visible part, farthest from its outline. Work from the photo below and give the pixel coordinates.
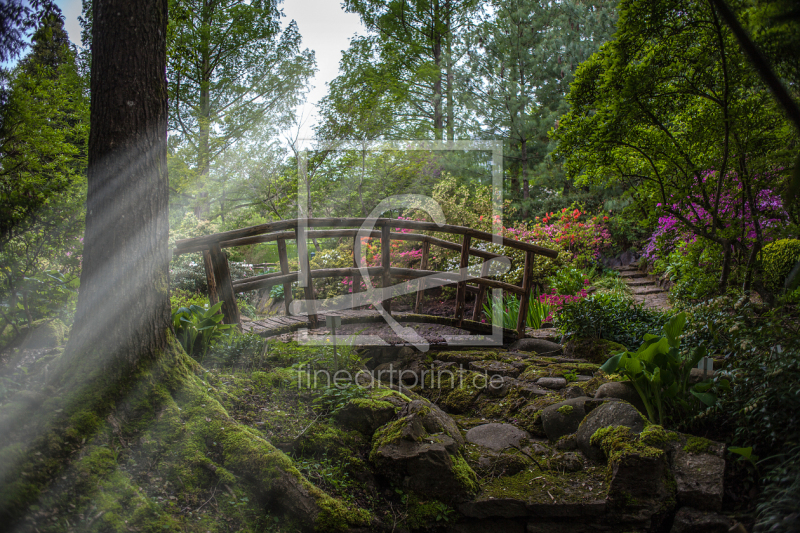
(420, 452)
(593, 350)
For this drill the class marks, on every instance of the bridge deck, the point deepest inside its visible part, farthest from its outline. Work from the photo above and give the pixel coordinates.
(279, 325)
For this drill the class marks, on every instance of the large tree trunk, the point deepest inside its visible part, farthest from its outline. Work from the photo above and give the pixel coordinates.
(123, 307)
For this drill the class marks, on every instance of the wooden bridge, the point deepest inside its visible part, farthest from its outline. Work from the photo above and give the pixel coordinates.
(222, 288)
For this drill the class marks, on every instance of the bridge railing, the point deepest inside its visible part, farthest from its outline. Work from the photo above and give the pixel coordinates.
(222, 288)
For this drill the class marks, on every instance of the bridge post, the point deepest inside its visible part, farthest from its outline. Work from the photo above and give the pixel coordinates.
(524, 300)
(305, 273)
(461, 291)
(356, 260)
(476, 311)
(386, 281)
(426, 250)
(287, 285)
(222, 273)
(210, 279)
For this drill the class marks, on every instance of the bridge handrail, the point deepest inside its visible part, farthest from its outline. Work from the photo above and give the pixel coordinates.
(222, 288)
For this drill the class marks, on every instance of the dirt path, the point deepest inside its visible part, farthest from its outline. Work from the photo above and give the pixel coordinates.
(644, 288)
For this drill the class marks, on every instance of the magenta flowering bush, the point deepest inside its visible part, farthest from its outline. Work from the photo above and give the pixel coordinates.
(738, 219)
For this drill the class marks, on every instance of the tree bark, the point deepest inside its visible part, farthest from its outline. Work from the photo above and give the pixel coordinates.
(123, 310)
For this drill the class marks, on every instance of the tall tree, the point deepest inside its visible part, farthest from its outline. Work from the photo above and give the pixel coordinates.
(43, 134)
(521, 64)
(696, 137)
(417, 42)
(123, 312)
(230, 67)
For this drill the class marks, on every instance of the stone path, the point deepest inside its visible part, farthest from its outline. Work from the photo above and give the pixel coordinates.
(645, 288)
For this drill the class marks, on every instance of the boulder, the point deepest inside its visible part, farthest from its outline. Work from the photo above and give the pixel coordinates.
(499, 387)
(594, 350)
(365, 415)
(495, 368)
(607, 414)
(496, 436)
(420, 452)
(552, 383)
(689, 520)
(494, 464)
(699, 478)
(567, 462)
(540, 346)
(621, 390)
(563, 418)
(573, 392)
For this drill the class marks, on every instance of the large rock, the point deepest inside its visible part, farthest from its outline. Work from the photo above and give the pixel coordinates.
(608, 414)
(621, 390)
(563, 418)
(495, 368)
(689, 520)
(420, 452)
(554, 383)
(365, 415)
(540, 346)
(497, 437)
(699, 478)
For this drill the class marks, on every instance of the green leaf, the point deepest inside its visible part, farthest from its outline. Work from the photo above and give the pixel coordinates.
(610, 366)
(707, 398)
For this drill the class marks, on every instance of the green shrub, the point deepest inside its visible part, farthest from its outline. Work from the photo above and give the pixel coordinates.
(237, 348)
(567, 281)
(198, 329)
(777, 260)
(659, 371)
(182, 298)
(339, 257)
(610, 317)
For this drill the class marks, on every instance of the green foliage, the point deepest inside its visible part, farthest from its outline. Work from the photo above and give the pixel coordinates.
(339, 257)
(44, 112)
(333, 399)
(232, 70)
(777, 510)
(777, 260)
(538, 312)
(611, 317)
(567, 281)
(181, 298)
(198, 329)
(659, 372)
(243, 349)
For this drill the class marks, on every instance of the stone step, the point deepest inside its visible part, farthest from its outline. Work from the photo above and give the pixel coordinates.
(627, 268)
(645, 292)
(630, 274)
(641, 282)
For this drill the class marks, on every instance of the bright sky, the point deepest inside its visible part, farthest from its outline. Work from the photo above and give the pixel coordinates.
(325, 28)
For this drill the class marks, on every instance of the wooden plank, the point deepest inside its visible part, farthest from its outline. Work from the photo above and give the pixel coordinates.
(287, 285)
(213, 298)
(185, 245)
(461, 289)
(222, 274)
(426, 250)
(453, 278)
(524, 301)
(478, 309)
(276, 278)
(386, 278)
